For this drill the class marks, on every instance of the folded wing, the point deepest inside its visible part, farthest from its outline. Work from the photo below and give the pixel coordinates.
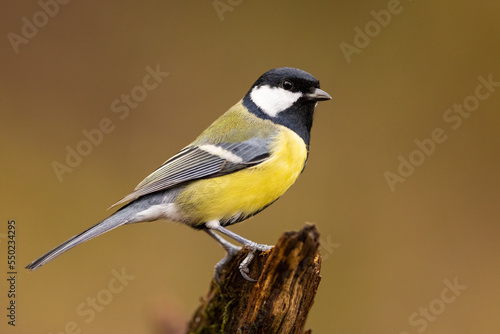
(202, 161)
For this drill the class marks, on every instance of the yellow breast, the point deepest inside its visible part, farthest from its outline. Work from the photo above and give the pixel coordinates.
(249, 190)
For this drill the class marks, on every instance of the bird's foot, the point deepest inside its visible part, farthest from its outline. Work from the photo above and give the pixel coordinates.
(253, 247)
(232, 250)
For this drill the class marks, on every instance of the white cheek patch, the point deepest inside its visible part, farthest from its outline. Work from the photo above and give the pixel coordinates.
(274, 100)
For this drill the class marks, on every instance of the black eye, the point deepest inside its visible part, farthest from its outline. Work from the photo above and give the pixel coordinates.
(287, 85)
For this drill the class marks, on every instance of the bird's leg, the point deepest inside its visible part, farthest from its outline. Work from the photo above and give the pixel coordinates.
(230, 249)
(252, 246)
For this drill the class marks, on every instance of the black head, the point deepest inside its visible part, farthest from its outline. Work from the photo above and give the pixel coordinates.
(286, 96)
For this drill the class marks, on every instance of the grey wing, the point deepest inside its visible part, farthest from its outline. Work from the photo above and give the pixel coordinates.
(202, 161)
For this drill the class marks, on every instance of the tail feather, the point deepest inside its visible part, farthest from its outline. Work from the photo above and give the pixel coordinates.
(112, 222)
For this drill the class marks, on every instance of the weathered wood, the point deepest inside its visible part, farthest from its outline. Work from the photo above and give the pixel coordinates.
(288, 278)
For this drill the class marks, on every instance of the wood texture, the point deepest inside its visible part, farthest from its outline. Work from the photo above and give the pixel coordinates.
(287, 276)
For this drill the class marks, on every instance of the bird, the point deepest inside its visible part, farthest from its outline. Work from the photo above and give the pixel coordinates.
(241, 164)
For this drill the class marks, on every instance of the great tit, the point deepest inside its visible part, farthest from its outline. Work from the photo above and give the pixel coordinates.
(237, 167)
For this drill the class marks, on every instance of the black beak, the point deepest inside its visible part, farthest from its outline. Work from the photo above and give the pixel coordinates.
(318, 95)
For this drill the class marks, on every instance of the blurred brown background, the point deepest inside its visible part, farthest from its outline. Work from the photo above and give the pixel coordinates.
(389, 256)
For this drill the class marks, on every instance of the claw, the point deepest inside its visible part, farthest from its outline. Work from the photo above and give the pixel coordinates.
(253, 247)
(244, 270)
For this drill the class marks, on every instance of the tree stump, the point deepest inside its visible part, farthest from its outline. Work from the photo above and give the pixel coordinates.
(287, 276)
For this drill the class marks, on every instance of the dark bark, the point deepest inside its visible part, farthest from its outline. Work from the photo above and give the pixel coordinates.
(287, 276)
